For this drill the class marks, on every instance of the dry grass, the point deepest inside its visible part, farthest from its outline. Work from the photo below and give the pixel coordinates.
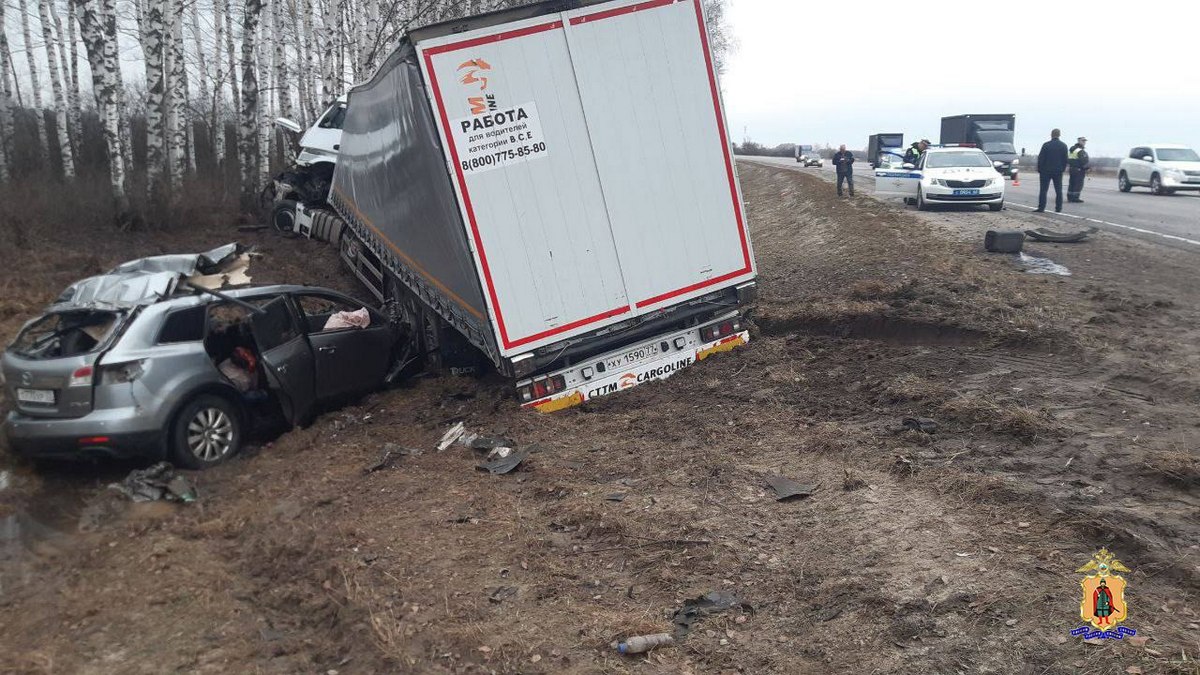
(911, 387)
(1001, 415)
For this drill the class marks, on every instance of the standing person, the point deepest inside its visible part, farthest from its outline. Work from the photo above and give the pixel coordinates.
(1052, 161)
(843, 159)
(1078, 159)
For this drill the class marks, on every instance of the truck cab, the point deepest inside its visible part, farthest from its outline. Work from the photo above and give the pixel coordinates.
(309, 179)
(885, 150)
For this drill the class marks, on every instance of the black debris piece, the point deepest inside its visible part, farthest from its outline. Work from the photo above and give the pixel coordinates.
(501, 593)
(1004, 241)
(786, 488)
(615, 497)
(504, 464)
(923, 424)
(1043, 234)
(708, 604)
(159, 482)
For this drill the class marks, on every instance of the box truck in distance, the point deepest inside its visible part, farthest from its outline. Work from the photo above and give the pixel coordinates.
(551, 187)
(991, 133)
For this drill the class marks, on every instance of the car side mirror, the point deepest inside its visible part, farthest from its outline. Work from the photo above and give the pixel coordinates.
(1147, 158)
(289, 125)
(908, 165)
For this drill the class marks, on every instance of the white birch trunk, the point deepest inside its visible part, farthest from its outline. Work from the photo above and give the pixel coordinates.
(69, 66)
(112, 58)
(153, 49)
(234, 91)
(309, 48)
(218, 119)
(36, 85)
(62, 130)
(6, 123)
(329, 30)
(100, 42)
(201, 81)
(283, 93)
(250, 117)
(266, 71)
(75, 100)
(176, 92)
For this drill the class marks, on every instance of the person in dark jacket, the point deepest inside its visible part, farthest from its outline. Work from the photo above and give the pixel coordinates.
(843, 160)
(1052, 161)
(1077, 157)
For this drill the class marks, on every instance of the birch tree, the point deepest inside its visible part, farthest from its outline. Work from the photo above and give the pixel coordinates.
(153, 50)
(218, 119)
(56, 86)
(330, 28)
(35, 84)
(108, 13)
(6, 123)
(69, 65)
(249, 122)
(75, 98)
(99, 40)
(176, 96)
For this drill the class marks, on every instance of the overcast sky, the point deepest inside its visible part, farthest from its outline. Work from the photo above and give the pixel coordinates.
(1120, 73)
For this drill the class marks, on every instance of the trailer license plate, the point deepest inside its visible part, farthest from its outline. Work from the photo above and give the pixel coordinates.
(632, 357)
(966, 193)
(35, 396)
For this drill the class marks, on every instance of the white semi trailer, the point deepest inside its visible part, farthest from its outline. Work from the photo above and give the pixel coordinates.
(553, 190)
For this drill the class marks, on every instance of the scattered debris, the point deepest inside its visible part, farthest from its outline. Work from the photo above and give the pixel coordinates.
(451, 436)
(1035, 265)
(851, 482)
(786, 488)
(644, 643)
(708, 604)
(499, 453)
(159, 482)
(1004, 241)
(504, 464)
(391, 453)
(615, 497)
(501, 593)
(923, 424)
(1044, 234)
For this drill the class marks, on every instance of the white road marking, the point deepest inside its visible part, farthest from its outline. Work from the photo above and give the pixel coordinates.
(1124, 227)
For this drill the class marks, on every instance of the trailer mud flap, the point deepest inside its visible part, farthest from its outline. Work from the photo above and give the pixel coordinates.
(620, 380)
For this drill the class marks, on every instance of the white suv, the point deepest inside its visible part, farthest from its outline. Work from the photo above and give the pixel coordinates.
(1162, 168)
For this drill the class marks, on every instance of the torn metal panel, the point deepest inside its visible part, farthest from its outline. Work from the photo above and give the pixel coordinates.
(148, 280)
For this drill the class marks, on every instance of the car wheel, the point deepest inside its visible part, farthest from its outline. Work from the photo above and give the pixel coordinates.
(1156, 185)
(921, 204)
(206, 432)
(1123, 183)
(283, 217)
(995, 207)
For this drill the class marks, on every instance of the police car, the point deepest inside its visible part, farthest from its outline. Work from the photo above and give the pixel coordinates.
(944, 175)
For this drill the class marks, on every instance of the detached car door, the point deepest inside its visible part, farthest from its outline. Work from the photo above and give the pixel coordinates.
(350, 359)
(286, 358)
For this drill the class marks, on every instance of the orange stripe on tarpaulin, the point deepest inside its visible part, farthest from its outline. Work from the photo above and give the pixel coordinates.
(408, 259)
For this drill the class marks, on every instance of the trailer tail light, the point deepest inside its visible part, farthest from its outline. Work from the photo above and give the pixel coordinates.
(541, 388)
(716, 331)
(94, 440)
(82, 377)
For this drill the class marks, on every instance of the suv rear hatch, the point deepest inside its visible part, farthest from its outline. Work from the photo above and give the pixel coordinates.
(48, 369)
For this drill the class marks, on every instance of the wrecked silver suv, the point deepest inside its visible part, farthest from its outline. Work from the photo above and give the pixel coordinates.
(152, 360)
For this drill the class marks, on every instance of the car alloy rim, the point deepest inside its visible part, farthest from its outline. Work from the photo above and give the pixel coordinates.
(210, 434)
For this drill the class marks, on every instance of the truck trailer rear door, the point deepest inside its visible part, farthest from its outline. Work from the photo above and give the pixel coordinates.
(649, 89)
(590, 156)
(522, 163)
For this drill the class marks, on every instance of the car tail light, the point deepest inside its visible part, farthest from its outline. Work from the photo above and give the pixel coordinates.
(120, 373)
(82, 377)
(94, 440)
(716, 331)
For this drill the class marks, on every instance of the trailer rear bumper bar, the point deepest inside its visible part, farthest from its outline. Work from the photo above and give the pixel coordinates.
(654, 359)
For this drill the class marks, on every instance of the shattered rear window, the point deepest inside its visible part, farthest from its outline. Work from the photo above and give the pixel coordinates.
(64, 334)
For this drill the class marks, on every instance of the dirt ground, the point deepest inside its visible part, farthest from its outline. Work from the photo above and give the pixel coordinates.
(1066, 422)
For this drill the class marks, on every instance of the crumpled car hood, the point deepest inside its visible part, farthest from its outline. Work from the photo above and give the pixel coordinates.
(148, 280)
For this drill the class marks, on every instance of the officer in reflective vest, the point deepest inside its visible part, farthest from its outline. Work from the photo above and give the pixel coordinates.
(1077, 159)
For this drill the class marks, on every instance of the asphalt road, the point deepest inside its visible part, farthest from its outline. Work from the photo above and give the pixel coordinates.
(1173, 220)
